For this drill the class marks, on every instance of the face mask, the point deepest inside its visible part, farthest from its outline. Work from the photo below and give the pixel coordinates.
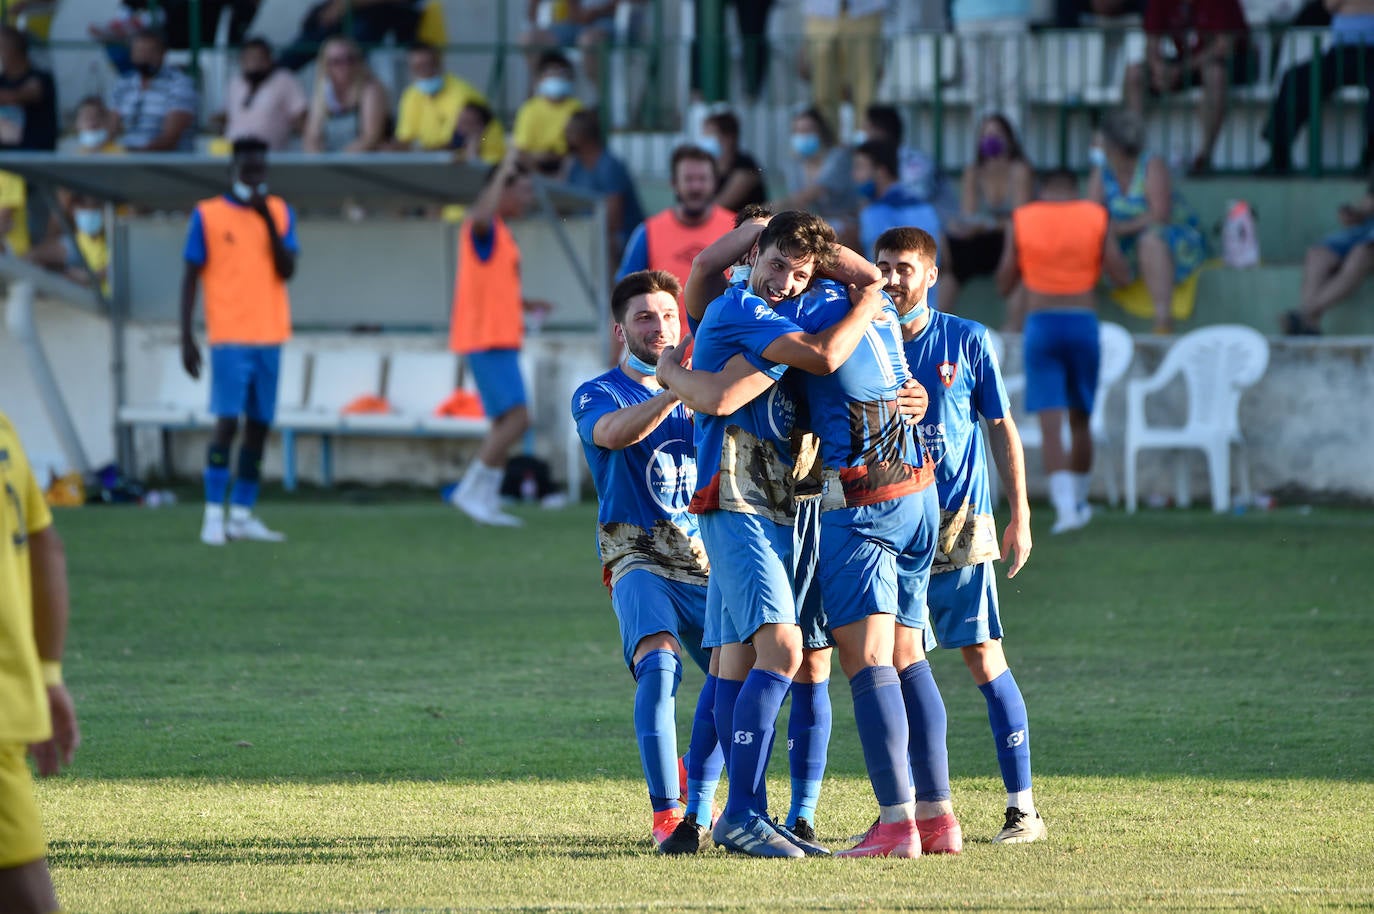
(990, 147)
(806, 144)
(89, 221)
(868, 190)
(555, 87)
(1097, 157)
(92, 139)
(914, 314)
(738, 273)
(860, 137)
(638, 364)
(245, 193)
(712, 145)
(147, 69)
(430, 86)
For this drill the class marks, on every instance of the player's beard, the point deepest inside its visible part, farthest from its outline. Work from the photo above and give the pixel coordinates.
(648, 356)
(693, 211)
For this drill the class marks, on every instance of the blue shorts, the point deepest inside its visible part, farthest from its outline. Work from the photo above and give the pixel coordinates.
(863, 551)
(646, 604)
(243, 382)
(1342, 241)
(751, 567)
(1062, 357)
(963, 606)
(806, 584)
(913, 565)
(499, 383)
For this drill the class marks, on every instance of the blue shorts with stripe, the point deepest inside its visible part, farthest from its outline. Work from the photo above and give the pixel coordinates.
(646, 604)
(243, 382)
(869, 553)
(963, 606)
(751, 570)
(914, 566)
(806, 580)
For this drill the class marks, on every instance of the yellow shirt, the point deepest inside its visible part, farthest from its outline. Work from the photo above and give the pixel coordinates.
(539, 125)
(12, 197)
(96, 252)
(429, 120)
(23, 511)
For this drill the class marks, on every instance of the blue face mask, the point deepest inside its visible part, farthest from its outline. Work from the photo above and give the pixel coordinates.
(806, 144)
(555, 88)
(868, 190)
(712, 145)
(89, 221)
(1097, 157)
(914, 314)
(430, 86)
(638, 364)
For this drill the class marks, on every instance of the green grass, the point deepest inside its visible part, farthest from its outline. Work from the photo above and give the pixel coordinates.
(397, 711)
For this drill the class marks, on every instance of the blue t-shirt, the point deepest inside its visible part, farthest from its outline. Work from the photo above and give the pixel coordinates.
(896, 208)
(195, 251)
(609, 176)
(643, 490)
(636, 256)
(955, 362)
(744, 460)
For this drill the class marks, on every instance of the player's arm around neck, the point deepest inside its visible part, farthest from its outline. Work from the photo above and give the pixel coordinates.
(716, 393)
(852, 269)
(823, 353)
(1011, 467)
(707, 280)
(632, 424)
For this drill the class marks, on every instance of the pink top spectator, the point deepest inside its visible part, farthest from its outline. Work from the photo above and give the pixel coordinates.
(272, 112)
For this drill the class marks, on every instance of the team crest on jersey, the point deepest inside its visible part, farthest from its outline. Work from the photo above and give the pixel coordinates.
(947, 372)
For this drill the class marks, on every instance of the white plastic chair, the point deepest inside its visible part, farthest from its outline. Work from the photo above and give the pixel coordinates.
(1217, 364)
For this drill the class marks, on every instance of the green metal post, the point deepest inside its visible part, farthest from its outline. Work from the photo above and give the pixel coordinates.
(195, 40)
(496, 81)
(348, 20)
(938, 109)
(711, 39)
(1314, 123)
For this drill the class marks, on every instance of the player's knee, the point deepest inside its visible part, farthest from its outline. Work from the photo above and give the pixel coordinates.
(659, 641)
(907, 647)
(815, 665)
(985, 661)
(779, 649)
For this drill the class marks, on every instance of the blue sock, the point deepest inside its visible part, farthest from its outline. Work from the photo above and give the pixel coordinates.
(1010, 731)
(727, 692)
(656, 680)
(881, 717)
(808, 741)
(216, 475)
(704, 756)
(926, 723)
(245, 494)
(755, 725)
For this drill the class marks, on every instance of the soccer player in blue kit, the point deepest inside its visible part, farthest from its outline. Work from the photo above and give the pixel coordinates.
(638, 439)
(954, 360)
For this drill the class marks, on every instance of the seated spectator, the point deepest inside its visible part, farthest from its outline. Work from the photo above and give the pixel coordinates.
(1336, 266)
(884, 123)
(1349, 62)
(155, 105)
(115, 34)
(348, 109)
(371, 20)
(997, 181)
(88, 246)
(821, 179)
(542, 120)
(577, 24)
(1158, 231)
(739, 177)
(889, 202)
(28, 101)
(432, 104)
(93, 133)
(1193, 43)
(263, 100)
(592, 167)
(478, 135)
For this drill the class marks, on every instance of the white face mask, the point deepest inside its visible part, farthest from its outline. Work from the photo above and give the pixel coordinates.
(245, 193)
(92, 139)
(89, 221)
(738, 273)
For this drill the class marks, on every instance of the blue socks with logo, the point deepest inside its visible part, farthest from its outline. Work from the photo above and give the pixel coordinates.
(808, 741)
(656, 681)
(755, 723)
(926, 723)
(1010, 731)
(882, 722)
(704, 756)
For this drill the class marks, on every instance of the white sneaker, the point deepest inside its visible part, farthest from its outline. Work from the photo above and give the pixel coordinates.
(250, 528)
(1076, 520)
(212, 528)
(482, 510)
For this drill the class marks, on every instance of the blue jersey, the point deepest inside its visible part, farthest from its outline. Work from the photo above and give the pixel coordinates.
(744, 460)
(643, 489)
(865, 444)
(955, 362)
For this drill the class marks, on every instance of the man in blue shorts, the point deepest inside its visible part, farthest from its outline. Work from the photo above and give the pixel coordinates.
(953, 359)
(638, 441)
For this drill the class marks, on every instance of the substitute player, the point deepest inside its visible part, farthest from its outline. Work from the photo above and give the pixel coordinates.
(638, 441)
(36, 710)
(954, 360)
(1058, 247)
(242, 247)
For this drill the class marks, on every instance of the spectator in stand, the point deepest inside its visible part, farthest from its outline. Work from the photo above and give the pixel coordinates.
(917, 171)
(889, 203)
(349, 109)
(263, 100)
(1193, 43)
(1335, 266)
(997, 181)
(28, 101)
(155, 105)
(1349, 62)
(542, 120)
(431, 105)
(993, 34)
(135, 16)
(372, 20)
(843, 50)
(478, 135)
(822, 178)
(576, 24)
(1156, 228)
(592, 167)
(71, 254)
(93, 121)
(739, 176)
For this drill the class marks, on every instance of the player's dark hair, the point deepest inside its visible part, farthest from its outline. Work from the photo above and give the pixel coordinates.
(423, 47)
(249, 145)
(553, 58)
(907, 238)
(1125, 130)
(689, 153)
(883, 154)
(18, 38)
(798, 234)
(1061, 178)
(751, 211)
(586, 122)
(257, 41)
(823, 128)
(483, 112)
(644, 282)
(95, 100)
(888, 120)
(725, 122)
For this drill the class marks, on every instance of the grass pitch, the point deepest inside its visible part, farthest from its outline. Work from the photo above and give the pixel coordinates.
(399, 711)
